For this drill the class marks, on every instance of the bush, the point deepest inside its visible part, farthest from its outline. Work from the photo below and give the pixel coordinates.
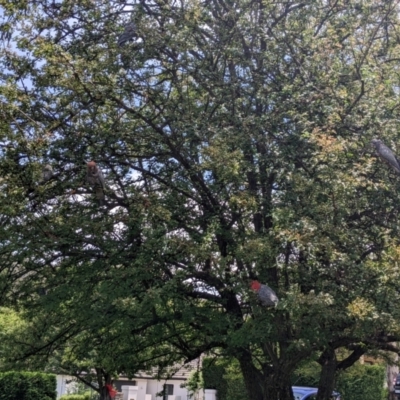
(307, 375)
(362, 382)
(85, 396)
(27, 386)
(213, 377)
(236, 390)
(225, 376)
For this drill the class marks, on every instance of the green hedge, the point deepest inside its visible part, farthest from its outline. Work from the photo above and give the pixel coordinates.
(224, 376)
(213, 377)
(307, 375)
(27, 386)
(362, 382)
(85, 396)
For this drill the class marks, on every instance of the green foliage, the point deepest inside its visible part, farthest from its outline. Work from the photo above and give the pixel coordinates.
(27, 386)
(225, 376)
(85, 396)
(359, 382)
(213, 372)
(13, 329)
(236, 389)
(234, 137)
(194, 382)
(362, 382)
(307, 374)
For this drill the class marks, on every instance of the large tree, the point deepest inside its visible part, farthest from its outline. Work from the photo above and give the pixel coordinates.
(234, 137)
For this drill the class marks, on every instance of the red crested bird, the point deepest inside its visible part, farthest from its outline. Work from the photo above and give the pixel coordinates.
(265, 294)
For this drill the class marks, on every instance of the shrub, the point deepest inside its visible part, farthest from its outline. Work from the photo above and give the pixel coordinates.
(213, 377)
(85, 396)
(307, 375)
(27, 386)
(225, 376)
(236, 389)
(362, 382)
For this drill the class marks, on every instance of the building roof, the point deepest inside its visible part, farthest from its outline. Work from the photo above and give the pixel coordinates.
(178, 371)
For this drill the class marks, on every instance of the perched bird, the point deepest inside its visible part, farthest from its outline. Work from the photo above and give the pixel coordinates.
(128, 34)
(386, 154)
(47, 173)
(265, 294)
(95, 178)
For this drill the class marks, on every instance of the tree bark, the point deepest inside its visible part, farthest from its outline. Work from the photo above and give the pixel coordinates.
(252, 377)
(104, 395)
(328, 374)
(103, 379)
(276, 385)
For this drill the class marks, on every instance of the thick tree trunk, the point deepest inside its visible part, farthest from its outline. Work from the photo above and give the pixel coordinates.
(104, 395)
(103, 379)
(275, 386)
(253, 378)
(328, 374)
(278, 386)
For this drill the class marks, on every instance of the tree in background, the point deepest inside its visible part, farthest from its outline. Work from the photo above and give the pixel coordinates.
(234, 140)
(93, 356)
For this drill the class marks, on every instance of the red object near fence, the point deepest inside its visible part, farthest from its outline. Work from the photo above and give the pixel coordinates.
(111, 391)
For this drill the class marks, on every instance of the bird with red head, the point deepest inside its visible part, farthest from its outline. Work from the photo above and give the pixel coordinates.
(265, 294)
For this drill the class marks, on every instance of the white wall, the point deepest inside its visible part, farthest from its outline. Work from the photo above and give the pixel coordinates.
(210, 394)
(129, 392)
(142, 388)
(65, 385)
(154, 387)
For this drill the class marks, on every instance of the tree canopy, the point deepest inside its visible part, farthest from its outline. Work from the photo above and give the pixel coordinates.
(234, 139)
